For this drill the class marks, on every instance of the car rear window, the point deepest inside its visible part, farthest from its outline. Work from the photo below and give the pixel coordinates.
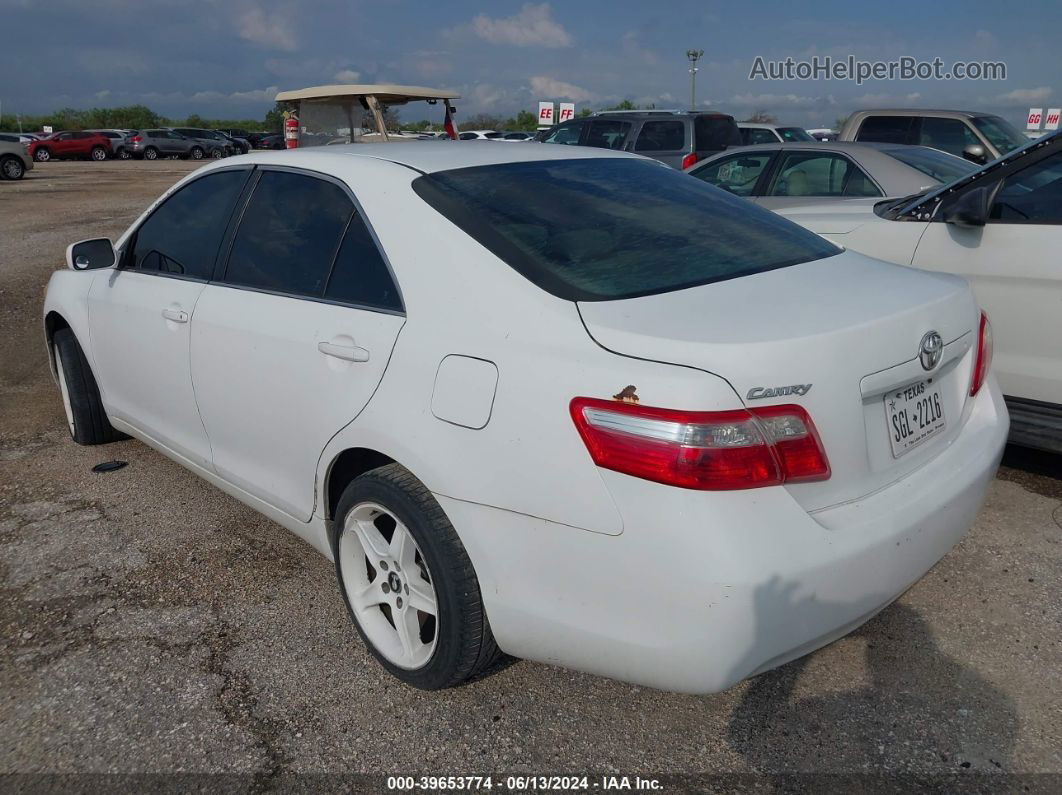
(794, 134)
(715, 133)
(607, 228)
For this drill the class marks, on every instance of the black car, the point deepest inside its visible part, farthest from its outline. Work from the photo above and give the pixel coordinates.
(676, 138)
(275, 141)
(252, 138)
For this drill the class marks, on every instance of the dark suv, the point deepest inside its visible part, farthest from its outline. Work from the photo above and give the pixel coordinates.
(676, 138)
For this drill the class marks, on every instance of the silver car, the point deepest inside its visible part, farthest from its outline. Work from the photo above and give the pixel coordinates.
(14, 162)
(162, 142)
(787, 175)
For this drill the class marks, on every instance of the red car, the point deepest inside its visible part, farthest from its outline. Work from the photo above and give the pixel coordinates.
(71, 144)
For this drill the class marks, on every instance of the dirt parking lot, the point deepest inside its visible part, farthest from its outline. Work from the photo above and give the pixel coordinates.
(150, 623)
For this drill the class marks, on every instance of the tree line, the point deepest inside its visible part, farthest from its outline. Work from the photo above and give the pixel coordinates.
(131, 117)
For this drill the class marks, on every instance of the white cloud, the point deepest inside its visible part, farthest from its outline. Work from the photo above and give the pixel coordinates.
(1021, 96)
(347, 76)
(769, 101)
(549, 88)
(532, 27)
(271, 29)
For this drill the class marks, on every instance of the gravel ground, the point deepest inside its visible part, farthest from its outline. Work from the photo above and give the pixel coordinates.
(151, 624)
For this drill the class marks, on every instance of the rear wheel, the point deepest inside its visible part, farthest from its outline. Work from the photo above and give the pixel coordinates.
(408, 583)
(98, 153)
(42, 155)
(218, 153)
(85, 417)
(123, 154)
(151, 153)
(12, 168)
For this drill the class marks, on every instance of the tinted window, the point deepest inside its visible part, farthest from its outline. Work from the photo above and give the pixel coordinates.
(565, 134)
(607, 133)
(886, 129)
(757, 136)
(947, 135)
(814, 174)
(467, 136)
(182, 236)
(715, 133)
(1032, 195)
(794, 134)
(939, 165)
(606, 228)
(289, 234)
(360, 275)
(737, 174)
(11, 139)
(661, 136)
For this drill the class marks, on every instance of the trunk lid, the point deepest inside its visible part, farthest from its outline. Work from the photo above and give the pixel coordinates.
(848, 325)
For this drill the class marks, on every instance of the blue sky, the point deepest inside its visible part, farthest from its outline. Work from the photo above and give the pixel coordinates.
(229, 57)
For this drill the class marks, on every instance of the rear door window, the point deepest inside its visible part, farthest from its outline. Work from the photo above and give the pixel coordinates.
(608, 133)
(566, 134)
(887, 129)
(661, 136)
(814, 174)
(289, 234)
(181, 237)
(737, 174)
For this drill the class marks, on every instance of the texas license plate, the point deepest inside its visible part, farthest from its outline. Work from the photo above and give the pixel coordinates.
(914, 413)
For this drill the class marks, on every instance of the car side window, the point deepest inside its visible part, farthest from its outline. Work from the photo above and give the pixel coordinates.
(947, 135)
(825, 174)
(737, 174)
(886, 129)
(661, 136)
(758, 136)
(360, 275)
(566, 134)
(1032, 195)
(608, 133)
(467, 136)
(289, 234)
(181, 237)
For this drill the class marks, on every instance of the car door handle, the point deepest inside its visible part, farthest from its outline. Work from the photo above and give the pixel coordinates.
(350, 353)
(176, 315)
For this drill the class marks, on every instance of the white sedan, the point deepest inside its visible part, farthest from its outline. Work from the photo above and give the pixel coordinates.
(557, 402)
(1001, 228)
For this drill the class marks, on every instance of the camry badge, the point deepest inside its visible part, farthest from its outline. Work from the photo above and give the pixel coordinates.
(930, 349)
(758, 392)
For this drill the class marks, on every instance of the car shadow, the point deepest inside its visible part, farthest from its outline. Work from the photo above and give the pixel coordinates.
(918, 711)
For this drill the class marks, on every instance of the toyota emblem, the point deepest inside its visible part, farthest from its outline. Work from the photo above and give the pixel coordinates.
(930, 350)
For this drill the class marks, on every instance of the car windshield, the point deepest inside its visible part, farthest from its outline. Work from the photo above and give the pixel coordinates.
(1003, 135)
(794, 134)
(932, 162)
(608, 228)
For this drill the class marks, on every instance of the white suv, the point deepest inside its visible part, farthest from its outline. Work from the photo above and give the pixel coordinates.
(675, 441)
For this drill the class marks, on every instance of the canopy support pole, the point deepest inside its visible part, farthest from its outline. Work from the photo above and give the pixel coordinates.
(374, 106)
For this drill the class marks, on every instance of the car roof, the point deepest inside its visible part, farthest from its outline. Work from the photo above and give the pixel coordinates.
(919, 112)
(431, 156)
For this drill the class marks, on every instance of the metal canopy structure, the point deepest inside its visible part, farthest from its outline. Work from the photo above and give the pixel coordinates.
(371, 97)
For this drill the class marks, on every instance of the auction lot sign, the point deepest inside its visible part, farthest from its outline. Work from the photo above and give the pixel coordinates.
(545, 114)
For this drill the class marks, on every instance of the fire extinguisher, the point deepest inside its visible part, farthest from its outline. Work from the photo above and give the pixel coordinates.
(291, 131)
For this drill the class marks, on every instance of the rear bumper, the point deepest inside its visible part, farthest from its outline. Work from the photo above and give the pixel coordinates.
(704, 589)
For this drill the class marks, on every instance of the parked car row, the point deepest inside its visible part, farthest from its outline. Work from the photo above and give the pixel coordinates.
(149, 144)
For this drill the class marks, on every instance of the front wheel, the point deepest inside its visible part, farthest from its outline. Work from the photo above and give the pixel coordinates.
(408, 582)
(217, 154)
(12, 168)
(196, 153)
(151, 153)
(42, 155)
(98, 153)
(85, 417)
(123, 154)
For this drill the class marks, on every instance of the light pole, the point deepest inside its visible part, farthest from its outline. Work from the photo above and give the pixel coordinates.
(694, 56)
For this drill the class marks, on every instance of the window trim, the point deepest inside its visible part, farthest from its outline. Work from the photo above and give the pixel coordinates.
(225, 249)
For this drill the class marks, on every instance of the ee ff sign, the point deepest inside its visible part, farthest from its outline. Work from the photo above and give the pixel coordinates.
(567, 112)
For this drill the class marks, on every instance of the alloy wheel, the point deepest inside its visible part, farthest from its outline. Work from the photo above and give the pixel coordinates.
(12, 168)
(388, 584)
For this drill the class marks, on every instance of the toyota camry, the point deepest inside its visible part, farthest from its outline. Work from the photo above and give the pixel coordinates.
(557, 403)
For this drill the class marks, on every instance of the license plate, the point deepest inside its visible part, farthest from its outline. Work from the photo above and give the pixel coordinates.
(914, 413)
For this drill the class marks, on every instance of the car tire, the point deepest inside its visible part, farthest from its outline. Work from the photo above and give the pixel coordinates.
(123, 154)
(218, 153)
(382, 513)
(42, 155)
(196, 153)
(85, 417)
(151, 153)
(12, 168)
(98, 153)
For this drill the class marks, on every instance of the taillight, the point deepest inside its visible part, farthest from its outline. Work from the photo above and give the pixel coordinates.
(135, 139)
(689, 160)
(705, 450)
(983, 359)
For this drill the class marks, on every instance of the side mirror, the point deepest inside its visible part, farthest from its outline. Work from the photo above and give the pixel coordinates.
(90, 255)
(969, 210)
(975, 153)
